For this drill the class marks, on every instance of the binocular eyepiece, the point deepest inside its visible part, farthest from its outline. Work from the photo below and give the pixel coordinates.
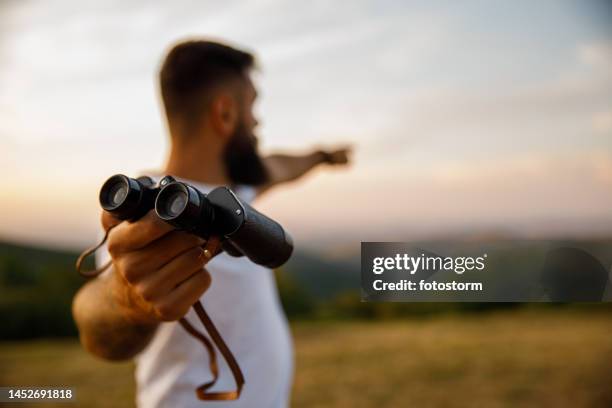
(243, 230)
(186, 208)
(128, 198)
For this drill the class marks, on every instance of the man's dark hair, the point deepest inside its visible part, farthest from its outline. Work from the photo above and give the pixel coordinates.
(193, 67)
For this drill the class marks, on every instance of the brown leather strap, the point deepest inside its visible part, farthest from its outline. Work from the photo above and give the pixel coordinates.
(202, 391)
(94, 272)
(209, 348)
(211, 248)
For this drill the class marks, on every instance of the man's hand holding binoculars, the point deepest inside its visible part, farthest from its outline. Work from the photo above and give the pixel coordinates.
(159, 237)
(158, 271)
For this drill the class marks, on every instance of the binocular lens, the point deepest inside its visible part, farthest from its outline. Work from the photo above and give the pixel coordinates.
(117, 194)
(184, 207)
(176, 203)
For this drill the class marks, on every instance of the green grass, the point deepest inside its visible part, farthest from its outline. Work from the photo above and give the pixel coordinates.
(509, 359)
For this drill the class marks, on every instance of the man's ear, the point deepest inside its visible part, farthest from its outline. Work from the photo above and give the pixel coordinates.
(224, 114)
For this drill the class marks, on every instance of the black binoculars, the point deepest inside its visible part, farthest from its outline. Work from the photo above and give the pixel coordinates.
(243, 230)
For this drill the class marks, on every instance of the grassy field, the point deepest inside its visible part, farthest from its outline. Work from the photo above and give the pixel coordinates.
(510, 359)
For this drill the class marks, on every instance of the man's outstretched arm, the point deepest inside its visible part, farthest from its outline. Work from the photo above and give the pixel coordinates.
(105, 329)
(157, 274)
(283, 168)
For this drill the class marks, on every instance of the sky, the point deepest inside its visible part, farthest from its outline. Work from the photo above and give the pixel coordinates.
(464, 116)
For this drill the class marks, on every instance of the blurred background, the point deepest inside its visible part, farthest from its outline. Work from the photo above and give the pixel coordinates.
(471, 120)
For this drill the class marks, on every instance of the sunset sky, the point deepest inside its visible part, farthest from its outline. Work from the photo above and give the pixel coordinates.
(464, 116)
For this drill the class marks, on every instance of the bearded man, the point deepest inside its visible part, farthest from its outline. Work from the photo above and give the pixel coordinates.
(157, 272)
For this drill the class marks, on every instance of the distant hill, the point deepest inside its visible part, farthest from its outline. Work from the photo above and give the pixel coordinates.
(34, 257)
(324, 278)
(320, 276)
(37, 286)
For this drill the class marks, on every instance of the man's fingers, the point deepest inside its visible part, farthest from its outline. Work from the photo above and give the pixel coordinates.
(158, 284)
(130, 236)
(135, 265)
(177, 303)
(179, 283)
(212, 247)
(340, 156)
(109, 220)
(159, 253)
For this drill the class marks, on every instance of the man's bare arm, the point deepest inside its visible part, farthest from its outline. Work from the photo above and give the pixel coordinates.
(283, 168)
(157, 274)
(104, 328)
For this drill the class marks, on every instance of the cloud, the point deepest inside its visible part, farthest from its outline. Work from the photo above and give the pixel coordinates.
(598, 55)
(602, 122)
(565, 169)
(567, 111)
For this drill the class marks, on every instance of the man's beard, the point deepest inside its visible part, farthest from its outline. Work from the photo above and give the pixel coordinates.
(243, 164)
